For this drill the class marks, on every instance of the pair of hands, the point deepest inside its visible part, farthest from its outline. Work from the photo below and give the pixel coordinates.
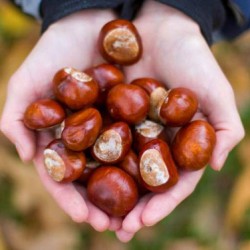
(174, 52)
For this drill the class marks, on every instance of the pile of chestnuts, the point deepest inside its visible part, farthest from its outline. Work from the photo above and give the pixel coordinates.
(114, 137)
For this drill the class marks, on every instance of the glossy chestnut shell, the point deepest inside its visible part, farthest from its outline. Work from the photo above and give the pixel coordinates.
(107, 76)
(130, 164)
(75, 88)
(62, 164)
(193, 145)
(120, 42)
(179, 107)
(128, 103)
(157, 168)
(81, 129)
(148, 84)
(113, 143)
(112, 190)
(42, 114)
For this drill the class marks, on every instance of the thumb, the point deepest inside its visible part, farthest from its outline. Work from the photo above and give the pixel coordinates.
(223, 115)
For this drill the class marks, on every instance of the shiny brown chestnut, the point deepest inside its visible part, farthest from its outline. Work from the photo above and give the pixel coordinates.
(148, 84)
(179, 107)
(120, 42)
(147, 131)
(113, 143)
(128, 103)
(75, 88)
(42, 114)
(157, 93)
(157, 168)
(91, 166)
(130, 164)
(62, 164)
(107, 76)
(81, 129)
(193, 145)
(112, 190)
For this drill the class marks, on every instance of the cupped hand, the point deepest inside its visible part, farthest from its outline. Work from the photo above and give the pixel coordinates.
(72, 41)
(176, 53)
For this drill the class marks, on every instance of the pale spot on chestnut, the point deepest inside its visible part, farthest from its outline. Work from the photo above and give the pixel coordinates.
(153, 168)
(149, 129)
(54, 164)
(121, 44)
(157, 97)
(78, 75)
(108, 146)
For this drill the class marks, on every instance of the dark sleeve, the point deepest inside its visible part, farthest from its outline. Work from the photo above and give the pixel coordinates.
(237, 19)
(209, 14)
(53, 10)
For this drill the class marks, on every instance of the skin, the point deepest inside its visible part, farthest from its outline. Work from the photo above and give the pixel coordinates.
(176, 54)
(50, 54)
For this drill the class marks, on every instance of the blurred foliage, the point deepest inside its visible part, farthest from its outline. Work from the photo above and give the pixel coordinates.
(215, 216)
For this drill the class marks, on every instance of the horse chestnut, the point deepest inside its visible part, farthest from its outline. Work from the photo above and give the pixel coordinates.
(74, 88)
(112, 190)
(157, 168)
(193, 145)
(107, 76)
(120, 42)
(130, 164)
(148, 131)
(62, 164)
(157, 97)
(113, 143)
(91, 166)
(128, 103)
(81, 129)
(179, 107)
(148, 84)
(42, 114)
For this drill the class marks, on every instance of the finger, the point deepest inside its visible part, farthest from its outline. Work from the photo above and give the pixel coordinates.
(226, 141)
(223, 115)
(65, 194)
(115, 224)
(133, 221)
(99, 220)
(161, 205)
(124, 236)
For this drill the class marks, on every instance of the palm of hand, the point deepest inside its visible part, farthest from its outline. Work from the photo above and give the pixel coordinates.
(179, 57)
(174, 53)
(70, 42)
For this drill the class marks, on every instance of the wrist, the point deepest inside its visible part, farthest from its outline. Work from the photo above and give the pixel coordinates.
(54, 10)
(82, 18)
(208, 15)
(172, 18)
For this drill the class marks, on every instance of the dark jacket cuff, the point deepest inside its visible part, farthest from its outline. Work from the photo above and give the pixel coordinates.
(53, 10)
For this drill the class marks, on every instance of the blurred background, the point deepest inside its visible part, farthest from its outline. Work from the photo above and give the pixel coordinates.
(215, 216)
